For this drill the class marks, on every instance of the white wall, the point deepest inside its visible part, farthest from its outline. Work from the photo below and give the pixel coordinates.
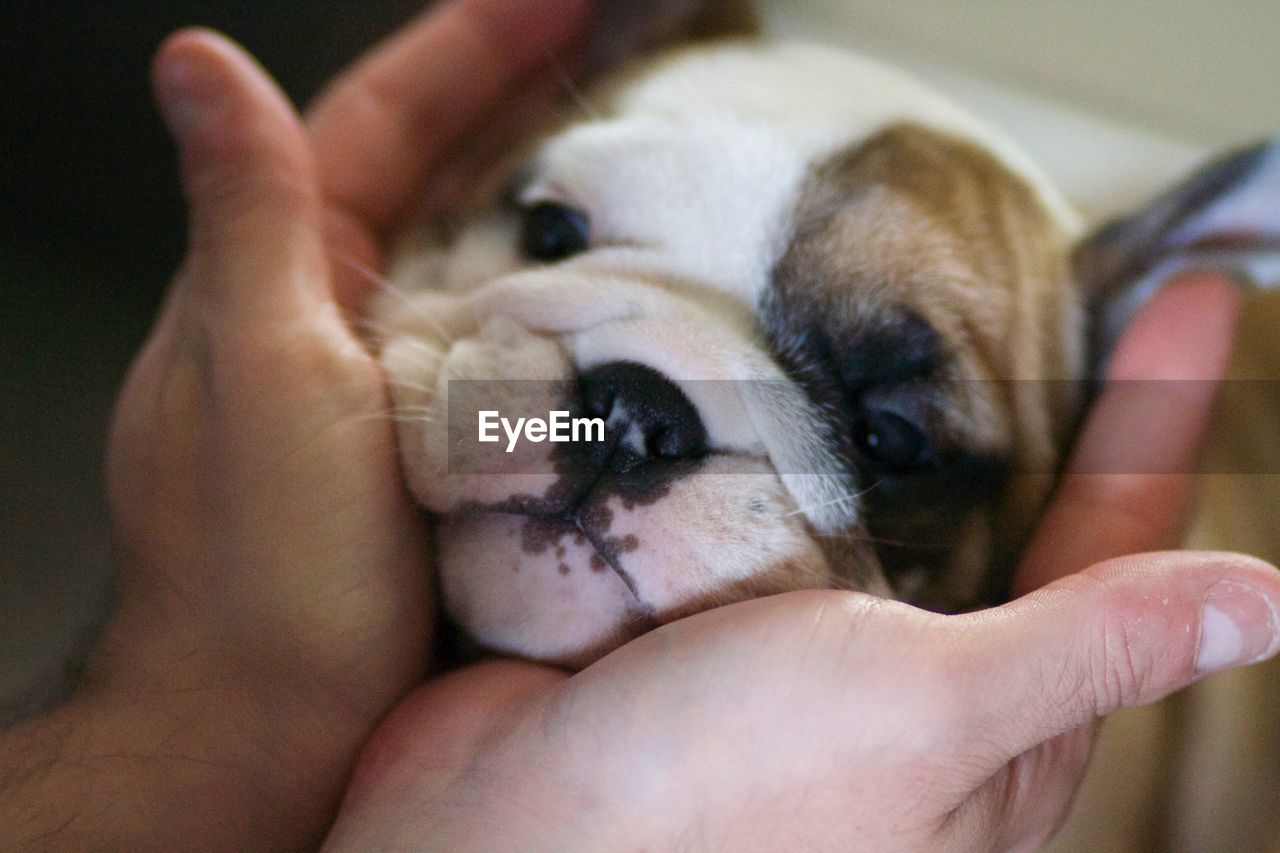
(1204, 71)
(1115, 99)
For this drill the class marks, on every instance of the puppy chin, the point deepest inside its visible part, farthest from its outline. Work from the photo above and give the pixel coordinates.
(514, 592)
(570, 591)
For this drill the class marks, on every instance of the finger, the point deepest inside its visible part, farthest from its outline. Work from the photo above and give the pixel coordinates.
(470, 171)
(382, 127)
(467, 174)
(253, 203)
(1130, 483)
(1123, 633)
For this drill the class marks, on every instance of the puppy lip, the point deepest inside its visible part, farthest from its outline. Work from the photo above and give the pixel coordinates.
(572, 517)
(605, 554)
(612, 562)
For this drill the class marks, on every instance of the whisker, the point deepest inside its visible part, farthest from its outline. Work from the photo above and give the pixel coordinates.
(872, 540)
(423, 354)
(414, 410)
(841, 499)
(382, 282)
(574, 91)
(419, 413)
(393, 417)
(412, 386)
(365, 324)
(399, 383)
(386, 333)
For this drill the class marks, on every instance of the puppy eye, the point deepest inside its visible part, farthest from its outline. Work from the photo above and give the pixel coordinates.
(891, 442)
(553, 232)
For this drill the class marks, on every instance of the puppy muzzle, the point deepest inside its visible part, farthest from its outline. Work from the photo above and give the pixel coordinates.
(561, 551)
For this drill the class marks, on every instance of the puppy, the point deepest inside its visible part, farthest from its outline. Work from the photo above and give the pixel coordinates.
(836, 331)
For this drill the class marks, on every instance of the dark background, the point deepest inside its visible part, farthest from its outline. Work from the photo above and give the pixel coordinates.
(91, 227)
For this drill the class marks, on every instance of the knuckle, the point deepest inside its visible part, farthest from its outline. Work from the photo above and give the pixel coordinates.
(1121, 668)
(1106, 667)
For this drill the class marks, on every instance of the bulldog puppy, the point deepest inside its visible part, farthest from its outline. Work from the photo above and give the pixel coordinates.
(830, 329)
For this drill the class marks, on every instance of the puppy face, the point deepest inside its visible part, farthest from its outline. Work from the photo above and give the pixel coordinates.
(814, 304)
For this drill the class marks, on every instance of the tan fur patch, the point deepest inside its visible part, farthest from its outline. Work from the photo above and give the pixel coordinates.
(913, 220)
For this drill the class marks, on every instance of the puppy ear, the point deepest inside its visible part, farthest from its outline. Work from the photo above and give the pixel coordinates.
(624, 29)
(1224, 217)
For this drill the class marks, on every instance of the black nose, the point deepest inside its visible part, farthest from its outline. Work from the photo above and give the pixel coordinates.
(648, 416)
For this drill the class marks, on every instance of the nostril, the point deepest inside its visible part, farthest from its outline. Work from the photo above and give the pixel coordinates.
(597, 399)
(673, 443)
(644, 406)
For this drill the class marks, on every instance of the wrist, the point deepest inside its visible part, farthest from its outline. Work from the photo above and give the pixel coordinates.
(159, 770)
(169, 743)
(242, 683)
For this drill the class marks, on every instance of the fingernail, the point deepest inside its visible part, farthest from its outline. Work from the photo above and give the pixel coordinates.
(187, 91)
(1237, 626)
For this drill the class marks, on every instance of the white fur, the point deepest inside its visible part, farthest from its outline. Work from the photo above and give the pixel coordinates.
(689, 189)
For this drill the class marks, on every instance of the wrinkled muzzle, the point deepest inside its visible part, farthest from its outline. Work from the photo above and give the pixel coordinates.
(594, 464)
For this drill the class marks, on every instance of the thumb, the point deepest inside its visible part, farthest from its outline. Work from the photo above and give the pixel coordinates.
(1122, 633)
(253, 203)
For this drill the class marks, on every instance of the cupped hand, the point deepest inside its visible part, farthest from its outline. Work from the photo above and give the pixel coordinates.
(834, 720)
(274, 595)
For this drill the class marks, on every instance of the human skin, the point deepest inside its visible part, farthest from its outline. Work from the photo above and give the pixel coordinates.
(837, 721)
(274, 598)
(274, 604)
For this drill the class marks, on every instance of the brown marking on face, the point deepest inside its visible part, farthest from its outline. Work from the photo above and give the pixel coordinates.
(918, 263)
(540, 533)
(916, 218)
(575, 504)
(597, 519)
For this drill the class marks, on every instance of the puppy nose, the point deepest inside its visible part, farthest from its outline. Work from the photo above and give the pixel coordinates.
(649, 414)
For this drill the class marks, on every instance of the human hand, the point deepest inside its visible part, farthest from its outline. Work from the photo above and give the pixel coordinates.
(833, 720)
(274, 596)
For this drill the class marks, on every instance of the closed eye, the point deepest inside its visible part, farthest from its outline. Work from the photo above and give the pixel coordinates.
(891, 443)
(550, 231)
